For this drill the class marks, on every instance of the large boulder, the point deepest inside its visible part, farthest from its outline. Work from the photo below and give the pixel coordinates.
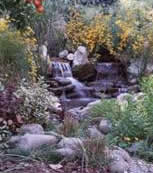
(80, 56)
(84, 72)
(30, 142)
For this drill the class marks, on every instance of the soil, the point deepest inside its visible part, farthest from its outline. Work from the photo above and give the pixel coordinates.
(11, 166)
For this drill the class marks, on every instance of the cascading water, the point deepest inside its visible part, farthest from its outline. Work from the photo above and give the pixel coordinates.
(79, 87)
(61, 69)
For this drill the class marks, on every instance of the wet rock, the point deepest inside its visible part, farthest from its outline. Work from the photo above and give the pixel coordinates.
(102, 85)
(134, 88)
(31, 129)
(93, 132)
(132, 81)
(105, 126)
(63, 54)
(52, 83)
(79, 103)
(63, 81)
(84, 72)
(60, 90)
(80, 56)
(109, 71)
(31, 141)
(82, 112)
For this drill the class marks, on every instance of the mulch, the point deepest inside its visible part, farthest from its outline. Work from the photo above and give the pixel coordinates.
(11, 166)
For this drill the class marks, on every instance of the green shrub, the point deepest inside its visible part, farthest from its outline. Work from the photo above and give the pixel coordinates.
(128, 123)
(37, 101)
(131, 123)
(13, 55)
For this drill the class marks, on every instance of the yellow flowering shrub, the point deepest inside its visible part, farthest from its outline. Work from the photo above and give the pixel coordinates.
(3, 25)
(126, 32)
(91, 35)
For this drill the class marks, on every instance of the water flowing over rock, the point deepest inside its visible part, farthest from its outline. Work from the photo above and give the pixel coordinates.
(61, 69)
(73, 93)
(110, 79)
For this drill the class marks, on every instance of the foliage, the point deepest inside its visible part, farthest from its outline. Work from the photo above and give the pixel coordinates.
(37, 101)
(21, 14)
(45, 153)
(9, 111)
(131, 122)
(50, 25)
(125, 29)
(70, 126)
(92, 35)
(96, 158)
(16, 56)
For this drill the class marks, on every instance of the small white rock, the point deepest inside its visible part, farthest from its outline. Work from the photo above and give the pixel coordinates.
(63, 54)
(70, 57)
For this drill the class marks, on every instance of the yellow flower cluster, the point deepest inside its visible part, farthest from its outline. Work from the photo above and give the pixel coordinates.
(3, 25)
(117, 34)
(91, 35)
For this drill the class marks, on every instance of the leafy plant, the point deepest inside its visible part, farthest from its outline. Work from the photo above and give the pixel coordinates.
(16, 55)
(37, 101)
(125, 30)
(9, 111)
(21, 14)
(132, 123)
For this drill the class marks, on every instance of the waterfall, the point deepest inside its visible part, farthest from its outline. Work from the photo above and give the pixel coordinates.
(79, 87)
(62, 69)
